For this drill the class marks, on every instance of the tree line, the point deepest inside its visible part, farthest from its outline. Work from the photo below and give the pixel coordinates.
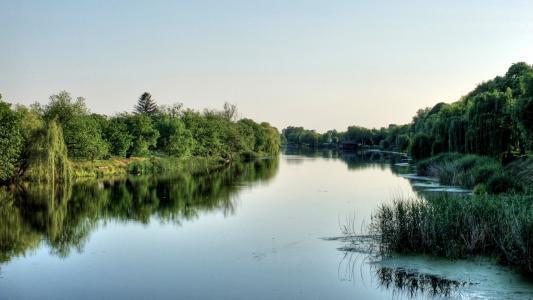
(394, 137)
(495, 119)
(64, 127)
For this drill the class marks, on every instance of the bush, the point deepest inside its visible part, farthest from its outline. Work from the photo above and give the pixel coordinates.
(501, 183)
(480, 189)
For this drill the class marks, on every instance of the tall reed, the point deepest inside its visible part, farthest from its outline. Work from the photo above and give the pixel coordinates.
(459, 227)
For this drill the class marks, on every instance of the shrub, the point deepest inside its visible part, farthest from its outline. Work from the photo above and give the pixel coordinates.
(501, 183)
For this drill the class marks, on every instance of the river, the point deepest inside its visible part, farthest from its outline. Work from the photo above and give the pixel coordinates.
(260, 230)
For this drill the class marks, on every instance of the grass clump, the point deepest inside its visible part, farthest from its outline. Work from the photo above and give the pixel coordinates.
(481, 173)
(102, 168)
(459, 226)
(158, 165)
(521, 170)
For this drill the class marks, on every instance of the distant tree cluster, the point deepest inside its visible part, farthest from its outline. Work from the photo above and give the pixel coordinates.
(495, 119)
(166, 130)
(392, 138)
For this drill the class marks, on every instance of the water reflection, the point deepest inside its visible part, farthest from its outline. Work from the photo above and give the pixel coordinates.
(354, 159)
(63, 216)
(413, 283)
(402, 281)
(398, 163)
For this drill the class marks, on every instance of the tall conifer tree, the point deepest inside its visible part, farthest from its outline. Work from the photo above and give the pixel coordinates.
(146, 105)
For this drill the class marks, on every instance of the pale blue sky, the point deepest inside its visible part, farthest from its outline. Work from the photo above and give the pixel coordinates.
(318, 64)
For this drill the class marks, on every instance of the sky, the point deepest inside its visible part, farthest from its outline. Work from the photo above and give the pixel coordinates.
(318, 64)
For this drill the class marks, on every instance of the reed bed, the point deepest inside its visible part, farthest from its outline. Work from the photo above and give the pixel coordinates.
(459, 227)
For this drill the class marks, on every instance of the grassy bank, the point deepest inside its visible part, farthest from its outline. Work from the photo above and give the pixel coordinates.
(153, 165)
(143, 165)
(481, 173)
(521, 170)
(459, 227)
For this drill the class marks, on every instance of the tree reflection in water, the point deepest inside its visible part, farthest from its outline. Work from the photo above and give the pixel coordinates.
(63, 216)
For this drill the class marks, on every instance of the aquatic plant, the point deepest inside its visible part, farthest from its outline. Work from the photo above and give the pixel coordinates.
(459, 226)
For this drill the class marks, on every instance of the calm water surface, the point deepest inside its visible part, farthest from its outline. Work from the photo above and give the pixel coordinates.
(251, 231)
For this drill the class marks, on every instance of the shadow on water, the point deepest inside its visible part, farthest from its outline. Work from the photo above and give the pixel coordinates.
(63, 216)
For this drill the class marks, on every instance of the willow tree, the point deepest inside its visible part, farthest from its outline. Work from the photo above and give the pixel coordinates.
(47, 159)
(489, 129)
(525, 109)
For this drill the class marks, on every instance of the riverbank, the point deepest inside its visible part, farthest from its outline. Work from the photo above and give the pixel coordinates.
(495, 221)
(482, 174)
(119, 166)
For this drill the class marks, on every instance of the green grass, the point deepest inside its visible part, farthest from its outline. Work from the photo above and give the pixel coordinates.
(483, 174)
(101, 168)
(521, 170)
(155, 164)
(143, 166)
(459, 227)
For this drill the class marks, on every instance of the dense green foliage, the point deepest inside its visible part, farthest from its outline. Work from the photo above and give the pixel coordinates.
(116, 133)
(174, 139)
(10, 141)
(167, 130)
(392, 138)
(500, 226)
(495, 119)
(142, 129)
